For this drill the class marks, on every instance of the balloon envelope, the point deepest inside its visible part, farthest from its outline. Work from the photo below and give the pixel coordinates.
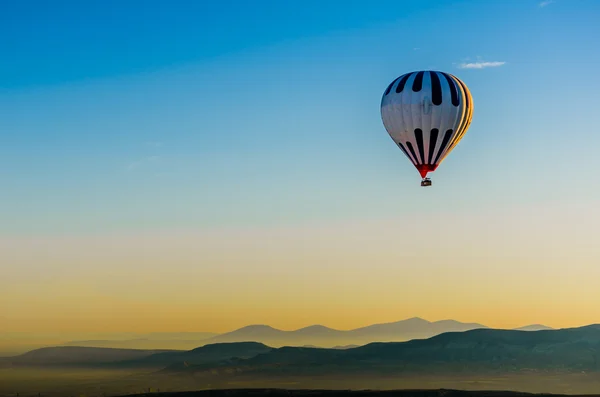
(426, 113)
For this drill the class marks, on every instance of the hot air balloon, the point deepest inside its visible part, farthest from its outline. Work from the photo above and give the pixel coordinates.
(426, 113)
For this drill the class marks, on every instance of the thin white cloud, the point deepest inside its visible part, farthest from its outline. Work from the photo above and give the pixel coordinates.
(545, 3)
(154, 144)
(480, 65)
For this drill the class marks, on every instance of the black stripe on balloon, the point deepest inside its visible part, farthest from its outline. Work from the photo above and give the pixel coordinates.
(433, 136)
(418, 82)
(436, 89)
(387, 91)
(443, 145)
(402, 82)
(412, 151)
(401, 146)
(420, 146)
(453, 89)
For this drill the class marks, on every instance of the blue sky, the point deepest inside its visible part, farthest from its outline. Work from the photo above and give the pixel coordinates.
(158, 158)
(149, 115)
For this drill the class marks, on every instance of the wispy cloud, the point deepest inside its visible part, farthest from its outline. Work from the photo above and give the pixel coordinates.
(545, 3)
(154, 144)
(480, 65)
(138, 163)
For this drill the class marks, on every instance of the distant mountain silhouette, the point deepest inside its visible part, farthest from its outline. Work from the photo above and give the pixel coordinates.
(314, 336)
(534, 327)
(345, 347)
(479, 350)
(99, 357)
(321, 336)
(413, 328)
(14, 343)
(75, 356)
(140, 344)
(153, 340)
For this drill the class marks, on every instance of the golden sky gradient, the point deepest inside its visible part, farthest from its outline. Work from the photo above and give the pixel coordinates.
(507, 269)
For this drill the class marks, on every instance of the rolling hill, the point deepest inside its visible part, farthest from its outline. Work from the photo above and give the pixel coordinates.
(214, 353)
(566, 359)
(109, 358)
(75, 356)
(14, 343)
(477, 350)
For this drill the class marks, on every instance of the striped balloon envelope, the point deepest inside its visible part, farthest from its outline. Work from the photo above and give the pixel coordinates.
(426, 113)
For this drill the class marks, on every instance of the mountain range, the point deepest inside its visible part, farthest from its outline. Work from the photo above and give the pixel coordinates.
(474, 351)
(12, 343)
(564, 359)
(569, 349)
(315, 335)
(321, 336)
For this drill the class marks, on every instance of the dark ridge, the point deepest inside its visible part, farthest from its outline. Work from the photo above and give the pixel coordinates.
(443, 145)
(453, 89)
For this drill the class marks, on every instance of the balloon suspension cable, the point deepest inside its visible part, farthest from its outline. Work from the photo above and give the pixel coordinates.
(426, 182)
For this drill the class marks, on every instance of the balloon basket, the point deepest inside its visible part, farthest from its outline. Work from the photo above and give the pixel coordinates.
(426, 182)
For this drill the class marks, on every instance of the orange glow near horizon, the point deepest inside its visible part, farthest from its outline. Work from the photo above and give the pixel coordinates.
(340, 275)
